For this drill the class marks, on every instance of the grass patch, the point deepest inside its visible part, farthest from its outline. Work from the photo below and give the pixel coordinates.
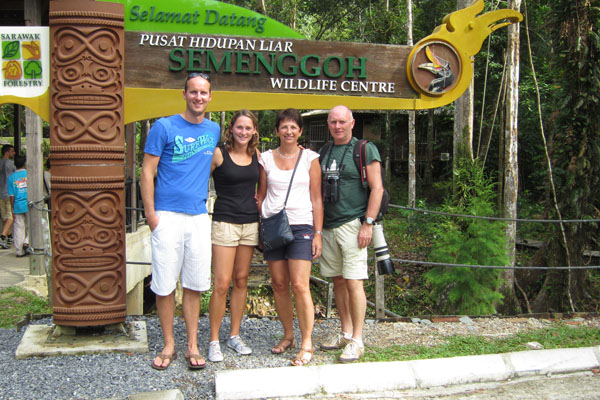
(15, 303)
(558, 335)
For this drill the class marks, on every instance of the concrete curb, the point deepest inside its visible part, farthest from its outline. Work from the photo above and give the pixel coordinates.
(399, 375)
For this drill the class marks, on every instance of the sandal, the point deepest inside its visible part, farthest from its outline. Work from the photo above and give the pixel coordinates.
(283, 346)
(303, 357)
(164, 357)
(200, 363)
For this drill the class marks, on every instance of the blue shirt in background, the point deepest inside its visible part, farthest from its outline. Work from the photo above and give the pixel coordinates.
(16, 185)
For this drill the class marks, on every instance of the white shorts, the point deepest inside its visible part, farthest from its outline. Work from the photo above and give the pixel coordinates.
(181, 248)
(341, 255)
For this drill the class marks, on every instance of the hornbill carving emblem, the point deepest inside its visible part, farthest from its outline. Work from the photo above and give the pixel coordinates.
(440, 68)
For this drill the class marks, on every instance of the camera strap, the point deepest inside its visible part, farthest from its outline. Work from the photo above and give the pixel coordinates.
(341, 160)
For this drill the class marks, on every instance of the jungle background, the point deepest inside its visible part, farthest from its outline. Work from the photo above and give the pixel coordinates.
(558, 160)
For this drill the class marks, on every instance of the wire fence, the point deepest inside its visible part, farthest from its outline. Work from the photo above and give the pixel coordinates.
(506, 267)
(438, 264)
(555, 221)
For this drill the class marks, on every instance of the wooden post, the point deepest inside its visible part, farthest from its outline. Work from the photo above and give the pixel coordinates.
(87, 153)
(329, 299)
(35, 193)
(35, 168)
(379, 294)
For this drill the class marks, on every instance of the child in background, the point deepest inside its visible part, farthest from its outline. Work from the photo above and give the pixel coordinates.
(16, 186)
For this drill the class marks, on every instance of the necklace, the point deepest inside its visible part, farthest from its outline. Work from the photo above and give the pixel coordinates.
(287, 157)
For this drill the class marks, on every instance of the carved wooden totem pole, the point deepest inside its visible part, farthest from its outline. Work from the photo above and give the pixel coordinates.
(87, 153)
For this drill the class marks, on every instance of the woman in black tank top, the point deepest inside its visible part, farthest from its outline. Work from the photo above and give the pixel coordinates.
(234, 227)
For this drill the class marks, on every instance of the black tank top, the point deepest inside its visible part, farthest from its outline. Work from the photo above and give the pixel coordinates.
(236, 187)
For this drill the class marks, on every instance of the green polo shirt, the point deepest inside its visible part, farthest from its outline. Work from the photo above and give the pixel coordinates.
(353, 198)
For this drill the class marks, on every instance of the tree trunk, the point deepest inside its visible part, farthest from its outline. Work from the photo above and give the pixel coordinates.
(144, 128)
(260, 6)
(428, 178)
(463, 117)
(511, 167)
(412, 157)
(501, 120)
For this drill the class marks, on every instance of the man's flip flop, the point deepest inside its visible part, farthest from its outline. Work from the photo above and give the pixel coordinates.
(164, 357)
(197, 358)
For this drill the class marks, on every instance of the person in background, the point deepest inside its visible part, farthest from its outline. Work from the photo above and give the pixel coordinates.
(348, 230)
(179, 149)
(16, 186)
(7, 167)
(234, 227)
(292, 263)
(47, 183)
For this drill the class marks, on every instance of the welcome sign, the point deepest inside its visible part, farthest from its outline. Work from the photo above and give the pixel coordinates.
(258, 63)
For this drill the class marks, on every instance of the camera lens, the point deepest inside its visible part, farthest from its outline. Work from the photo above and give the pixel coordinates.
(382, 254)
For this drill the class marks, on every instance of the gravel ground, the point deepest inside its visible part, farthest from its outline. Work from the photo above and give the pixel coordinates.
(102, 376)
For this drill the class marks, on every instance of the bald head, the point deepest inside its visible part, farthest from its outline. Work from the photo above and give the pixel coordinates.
(340, 123)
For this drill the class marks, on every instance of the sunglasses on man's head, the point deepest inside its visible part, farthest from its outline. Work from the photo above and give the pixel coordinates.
(197, 74)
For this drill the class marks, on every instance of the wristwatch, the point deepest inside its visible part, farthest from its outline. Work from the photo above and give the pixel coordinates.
(369, 220)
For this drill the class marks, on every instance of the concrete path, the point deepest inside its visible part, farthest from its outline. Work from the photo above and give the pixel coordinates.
(296, 382)
(12, 269)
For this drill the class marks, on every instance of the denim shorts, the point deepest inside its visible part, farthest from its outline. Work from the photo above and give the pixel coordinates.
(299, 249)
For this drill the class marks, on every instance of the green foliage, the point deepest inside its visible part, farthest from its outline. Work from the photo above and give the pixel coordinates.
(558, 335)
(576, 151)
(470, 241)
(6, 117)
(530, 208)
(15, 303)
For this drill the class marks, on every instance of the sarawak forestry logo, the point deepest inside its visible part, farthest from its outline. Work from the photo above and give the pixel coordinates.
(21, 59)
(25, 61)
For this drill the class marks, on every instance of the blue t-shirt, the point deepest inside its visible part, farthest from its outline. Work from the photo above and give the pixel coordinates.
(185, 152)
(16, 185)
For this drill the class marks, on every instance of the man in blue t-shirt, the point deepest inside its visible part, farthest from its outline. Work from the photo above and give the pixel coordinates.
(179, 149)
(16, 186)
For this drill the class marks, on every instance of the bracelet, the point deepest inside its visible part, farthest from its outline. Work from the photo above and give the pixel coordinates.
(318, 233)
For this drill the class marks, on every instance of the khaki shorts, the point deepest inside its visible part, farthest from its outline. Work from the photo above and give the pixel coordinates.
(228, 234)
(341, 255)
(5, 209)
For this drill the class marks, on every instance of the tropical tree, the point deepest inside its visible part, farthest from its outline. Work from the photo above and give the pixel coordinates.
(574, 150)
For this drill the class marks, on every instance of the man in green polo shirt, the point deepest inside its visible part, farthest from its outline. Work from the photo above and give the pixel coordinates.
(348, 229)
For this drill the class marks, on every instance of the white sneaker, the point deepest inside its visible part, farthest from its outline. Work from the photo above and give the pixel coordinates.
(352, 352)
(236, 343)
(214, 352)
(334, 341)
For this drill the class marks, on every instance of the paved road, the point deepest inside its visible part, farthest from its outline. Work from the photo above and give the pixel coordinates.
(12, 269)
(577, 386)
